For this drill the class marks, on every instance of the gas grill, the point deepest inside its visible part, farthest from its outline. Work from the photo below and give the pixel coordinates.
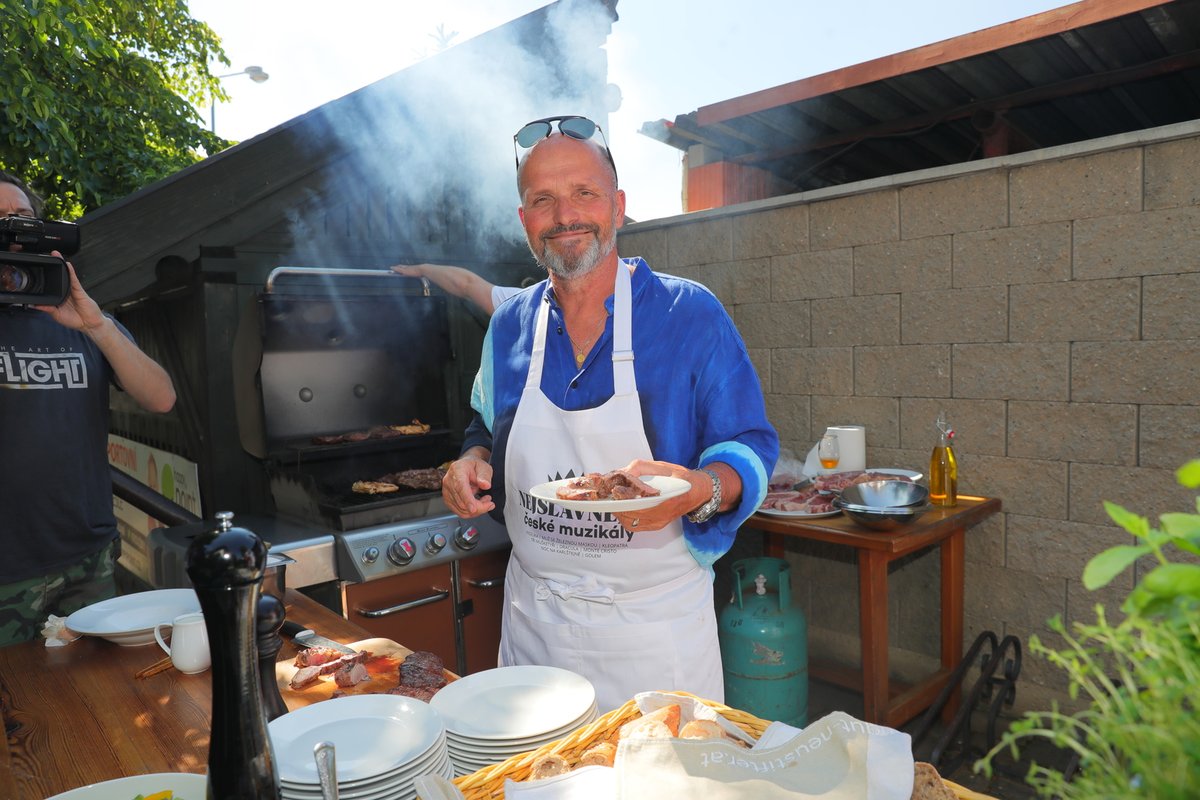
(325, 363)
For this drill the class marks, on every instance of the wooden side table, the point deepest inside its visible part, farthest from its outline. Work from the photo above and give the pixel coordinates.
(946, 528)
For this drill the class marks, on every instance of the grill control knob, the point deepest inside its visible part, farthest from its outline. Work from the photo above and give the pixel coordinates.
(370, 555)
(435, 544)
(401, 552)
(466, 537)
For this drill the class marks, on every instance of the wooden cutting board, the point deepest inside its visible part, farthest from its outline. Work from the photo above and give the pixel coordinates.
(384, 666)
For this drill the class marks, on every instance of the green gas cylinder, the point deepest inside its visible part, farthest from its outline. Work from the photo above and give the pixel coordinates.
(764, 644)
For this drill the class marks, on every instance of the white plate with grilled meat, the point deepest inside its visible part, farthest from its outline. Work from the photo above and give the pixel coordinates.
(666, 485)
(129, 619)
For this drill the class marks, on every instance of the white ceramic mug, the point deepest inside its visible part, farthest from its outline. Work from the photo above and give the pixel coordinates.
(189, 642)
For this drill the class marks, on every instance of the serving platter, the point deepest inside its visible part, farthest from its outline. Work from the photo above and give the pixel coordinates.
(383, 666)
(129, 619)
(667, 486)
(182, 784)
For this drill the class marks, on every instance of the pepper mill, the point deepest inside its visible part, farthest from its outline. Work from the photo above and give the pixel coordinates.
(226, 566)
(269, 621)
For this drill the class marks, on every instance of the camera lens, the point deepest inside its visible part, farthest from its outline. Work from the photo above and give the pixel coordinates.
(14, 279)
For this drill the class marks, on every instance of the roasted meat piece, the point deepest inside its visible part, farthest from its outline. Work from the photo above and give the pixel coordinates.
(616, 485)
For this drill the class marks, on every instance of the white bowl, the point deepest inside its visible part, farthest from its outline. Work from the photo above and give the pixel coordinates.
(185, 785)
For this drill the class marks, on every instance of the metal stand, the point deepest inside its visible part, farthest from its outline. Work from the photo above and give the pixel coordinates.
(954, 745)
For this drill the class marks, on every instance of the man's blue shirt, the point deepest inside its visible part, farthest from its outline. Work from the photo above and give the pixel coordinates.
(700, 396)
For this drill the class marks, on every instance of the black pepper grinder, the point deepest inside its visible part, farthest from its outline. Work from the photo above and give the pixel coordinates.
(226, 566)
(269, 621)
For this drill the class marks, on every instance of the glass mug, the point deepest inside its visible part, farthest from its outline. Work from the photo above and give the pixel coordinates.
(189, 643)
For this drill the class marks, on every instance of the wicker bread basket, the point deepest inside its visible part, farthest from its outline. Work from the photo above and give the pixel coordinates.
(488, 783)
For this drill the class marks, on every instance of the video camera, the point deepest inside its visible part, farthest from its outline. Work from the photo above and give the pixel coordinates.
(32, 276)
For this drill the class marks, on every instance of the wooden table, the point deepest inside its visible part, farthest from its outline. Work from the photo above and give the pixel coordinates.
(75, 715)
(883, 703)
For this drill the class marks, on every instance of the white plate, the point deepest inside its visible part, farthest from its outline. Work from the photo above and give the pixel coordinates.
(513, 702)
(185, 785)
(419, 765)
(395, 789)
(129, 620)
(372, 733)
(467, 745)
(775, 512)
(667, 486)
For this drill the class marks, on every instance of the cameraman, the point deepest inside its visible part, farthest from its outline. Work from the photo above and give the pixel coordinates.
(58, 534)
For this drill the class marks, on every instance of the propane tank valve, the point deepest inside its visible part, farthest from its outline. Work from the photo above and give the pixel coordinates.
(760, 585)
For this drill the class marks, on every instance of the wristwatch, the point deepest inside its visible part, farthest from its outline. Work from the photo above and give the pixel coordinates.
(706, 511)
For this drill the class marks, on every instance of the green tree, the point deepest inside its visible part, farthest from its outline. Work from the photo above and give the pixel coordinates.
(99, 97)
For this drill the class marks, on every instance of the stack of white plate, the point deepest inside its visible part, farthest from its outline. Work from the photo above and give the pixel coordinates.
(498, 713)
(382, 742)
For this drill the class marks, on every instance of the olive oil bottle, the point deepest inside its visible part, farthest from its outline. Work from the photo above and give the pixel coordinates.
(943, 468)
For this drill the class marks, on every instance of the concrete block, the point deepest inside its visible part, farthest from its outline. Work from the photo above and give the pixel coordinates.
(1060, 549)
(1027, 254)
(1094, 185)
(955, 315)
(1035, 371)
(980, 426)
(880, 416)
(854, 219)
(1007, 598)
(650, 245)
(773, 324)
(1169, 306)
(1159, 242)
(751, 280)
(760, 357)
(789, 414)
(914, 583)
(1024, 485)
(801, 276)
(848, 321)
(1173, 173)
(1076, 311)
(986, 541)
(772, 232)
(705, 242)
(1157, 372)
(964, 203)
(908, 265)
(1104, 433)
(1082, 602)
(912, 371)
(1144, 491)
(813, 370)
(1168, 436)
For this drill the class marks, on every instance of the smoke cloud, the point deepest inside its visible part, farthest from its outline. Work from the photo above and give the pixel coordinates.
(424, 163)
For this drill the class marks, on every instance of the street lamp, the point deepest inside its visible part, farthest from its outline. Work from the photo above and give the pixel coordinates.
(256, 74)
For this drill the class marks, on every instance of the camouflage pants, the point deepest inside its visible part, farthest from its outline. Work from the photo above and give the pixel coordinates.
(25, 605)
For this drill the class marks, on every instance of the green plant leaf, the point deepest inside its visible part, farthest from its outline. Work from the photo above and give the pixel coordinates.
(1112, 562)
(1181, 526)
(1189, 474)
(1169, 581)
(1138, 525)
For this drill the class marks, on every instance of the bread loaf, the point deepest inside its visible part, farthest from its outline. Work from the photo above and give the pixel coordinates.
(702, 729)
(927, 783)
(547, 766)
(603, 754)
(667, 716)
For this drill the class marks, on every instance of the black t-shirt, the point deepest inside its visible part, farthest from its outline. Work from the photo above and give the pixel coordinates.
(55, 489)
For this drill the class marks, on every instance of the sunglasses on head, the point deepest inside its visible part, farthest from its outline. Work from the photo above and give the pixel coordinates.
(574, 126)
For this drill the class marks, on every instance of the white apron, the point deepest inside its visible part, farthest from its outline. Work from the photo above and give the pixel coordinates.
(631, 611)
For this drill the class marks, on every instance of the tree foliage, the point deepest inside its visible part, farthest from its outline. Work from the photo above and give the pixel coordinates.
(99, 96)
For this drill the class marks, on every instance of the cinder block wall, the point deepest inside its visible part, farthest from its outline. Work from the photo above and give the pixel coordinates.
(1047, 301)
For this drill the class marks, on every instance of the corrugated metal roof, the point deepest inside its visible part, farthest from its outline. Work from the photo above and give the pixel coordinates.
(1079, 72)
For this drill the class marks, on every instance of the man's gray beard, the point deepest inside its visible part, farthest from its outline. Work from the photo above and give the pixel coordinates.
(577, 267)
